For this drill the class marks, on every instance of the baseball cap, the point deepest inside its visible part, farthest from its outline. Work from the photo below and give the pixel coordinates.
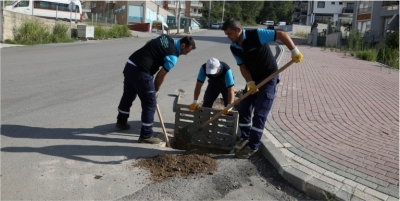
(212, 66)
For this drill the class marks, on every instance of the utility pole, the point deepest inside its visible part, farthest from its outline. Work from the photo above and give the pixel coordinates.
(179, 16)
(209, 14)
(223, 9)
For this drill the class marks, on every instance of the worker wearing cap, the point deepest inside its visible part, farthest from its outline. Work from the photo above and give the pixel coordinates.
(139, 70)
(220, 81)
(254, 57)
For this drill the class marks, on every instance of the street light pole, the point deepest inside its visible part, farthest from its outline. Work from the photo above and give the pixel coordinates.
(209, 13)
(223, 9)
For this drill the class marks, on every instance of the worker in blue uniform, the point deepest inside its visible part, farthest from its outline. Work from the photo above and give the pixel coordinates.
(220, 81)
(139, 70)
(252, 53)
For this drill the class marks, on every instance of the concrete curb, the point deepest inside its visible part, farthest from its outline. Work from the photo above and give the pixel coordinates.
(308, 177)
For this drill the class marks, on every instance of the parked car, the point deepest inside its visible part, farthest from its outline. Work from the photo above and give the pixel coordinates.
(216, 26)
(280, 23)
(268, 23)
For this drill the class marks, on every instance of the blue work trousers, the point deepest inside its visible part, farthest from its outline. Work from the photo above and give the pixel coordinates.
(138, 83)
(212, 93)
(261, 102)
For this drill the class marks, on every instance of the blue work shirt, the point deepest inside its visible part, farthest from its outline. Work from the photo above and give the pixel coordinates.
(224, 79)
(255, 52)
(161, 51)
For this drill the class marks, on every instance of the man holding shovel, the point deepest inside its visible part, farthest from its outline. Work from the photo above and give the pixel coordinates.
(139, 70)
(220, 81)
(253, 55)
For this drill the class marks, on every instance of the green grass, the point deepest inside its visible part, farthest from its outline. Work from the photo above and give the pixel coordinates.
(368, 55)
(32, 32)
(301, 34)
(116, 31)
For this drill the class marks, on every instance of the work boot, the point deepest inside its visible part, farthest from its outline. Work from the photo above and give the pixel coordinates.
(151, 140)
(245, 153)
(240, 144)
(123, 126)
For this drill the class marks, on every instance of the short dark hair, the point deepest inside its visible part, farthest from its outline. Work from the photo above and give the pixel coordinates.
(231, 23)
(188, 41)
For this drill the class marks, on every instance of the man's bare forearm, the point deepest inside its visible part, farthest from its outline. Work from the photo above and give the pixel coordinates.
(197, 90)
(245, 73)
(231, 94)
(284, 37)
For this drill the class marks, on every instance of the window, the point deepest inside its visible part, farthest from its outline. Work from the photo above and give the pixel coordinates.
(321, 4)
(333, 3)
(350, 5)
(340, 3)
(22, 4)
(363, 26)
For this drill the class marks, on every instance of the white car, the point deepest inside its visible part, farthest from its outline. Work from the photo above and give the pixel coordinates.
(269, 23)
(216, 26)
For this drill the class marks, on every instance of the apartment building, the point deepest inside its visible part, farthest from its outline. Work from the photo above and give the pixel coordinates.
(129, 12)
(376, 17)
(308, 12)
(134, 12)
(188, 8)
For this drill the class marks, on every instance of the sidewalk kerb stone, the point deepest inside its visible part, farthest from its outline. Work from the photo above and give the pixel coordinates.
(287, 153)
(390, 198)
(334, 176)
(376, 193)
(273, 139)
(316, 168)
(366, 183)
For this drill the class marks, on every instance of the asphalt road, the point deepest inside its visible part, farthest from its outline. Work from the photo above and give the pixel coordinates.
(58, 110)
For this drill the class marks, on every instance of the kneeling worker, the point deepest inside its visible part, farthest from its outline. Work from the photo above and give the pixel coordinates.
(220, 81)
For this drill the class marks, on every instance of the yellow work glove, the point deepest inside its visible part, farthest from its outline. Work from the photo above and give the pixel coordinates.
(251, 85)
(297, 56)
(228, 111)
(194, 106)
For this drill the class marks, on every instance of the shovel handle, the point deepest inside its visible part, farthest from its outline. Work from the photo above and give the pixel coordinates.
(247, 94)
(163, 127)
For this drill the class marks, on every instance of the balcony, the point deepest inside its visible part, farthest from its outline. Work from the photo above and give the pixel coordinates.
(303, 12)
(196, 15)
(390, 8)
(347, 10)
(173, 6)
(196, 5)
(364, 10)
(296, 10)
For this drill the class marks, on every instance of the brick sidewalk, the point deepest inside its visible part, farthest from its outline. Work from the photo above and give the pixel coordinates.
(344, 115)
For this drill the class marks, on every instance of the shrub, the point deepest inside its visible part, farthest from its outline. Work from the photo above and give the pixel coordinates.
(60, 33)
(100, 32)
(31, 32)
(116, 31)
(369, 55)
(355, 41)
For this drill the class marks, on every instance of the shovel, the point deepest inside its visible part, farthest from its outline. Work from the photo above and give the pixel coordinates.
(190, 132)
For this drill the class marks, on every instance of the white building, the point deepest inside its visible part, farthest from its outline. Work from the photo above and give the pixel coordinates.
(306, 12)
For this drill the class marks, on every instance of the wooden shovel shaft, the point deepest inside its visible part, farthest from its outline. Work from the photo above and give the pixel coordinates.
(163, 127)
(247, 94)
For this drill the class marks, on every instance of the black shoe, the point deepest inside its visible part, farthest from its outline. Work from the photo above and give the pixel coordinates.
(123, 126)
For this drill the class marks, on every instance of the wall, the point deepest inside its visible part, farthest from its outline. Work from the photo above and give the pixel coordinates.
(145, 27)
(329, 8)
(1, 21)
(14, 20)
(121, 12)
(307, 29)
(333, 40)
(135, 13)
